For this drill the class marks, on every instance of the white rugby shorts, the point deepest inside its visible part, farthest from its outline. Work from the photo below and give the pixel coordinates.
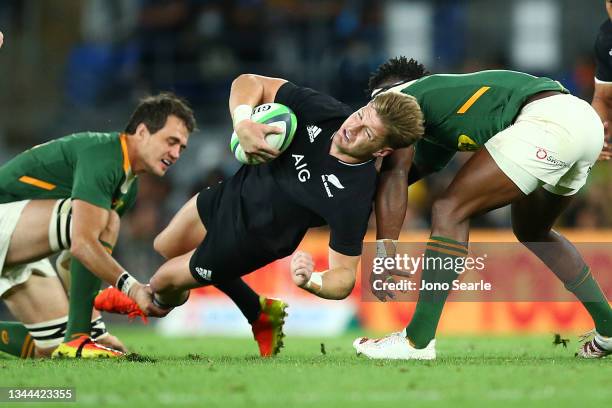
(18, 274)
(554, 143)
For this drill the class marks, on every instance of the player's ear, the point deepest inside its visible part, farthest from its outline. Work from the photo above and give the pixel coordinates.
(142, 130)
(385, 151)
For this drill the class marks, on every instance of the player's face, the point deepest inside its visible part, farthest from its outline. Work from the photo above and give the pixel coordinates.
(361, 135)
(162, 149)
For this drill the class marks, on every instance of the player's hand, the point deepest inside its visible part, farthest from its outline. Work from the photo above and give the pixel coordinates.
(252, 136)
(606, 151)
(143, 296)
(113, 342)
(386, 277)
(302, 267)
(1, 39)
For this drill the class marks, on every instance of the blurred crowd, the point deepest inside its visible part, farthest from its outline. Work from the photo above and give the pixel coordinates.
(74, 65)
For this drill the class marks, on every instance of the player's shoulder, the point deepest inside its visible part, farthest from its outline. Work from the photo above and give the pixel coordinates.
(311, 104)
(98, 148)
(606, 27)
(603, 41)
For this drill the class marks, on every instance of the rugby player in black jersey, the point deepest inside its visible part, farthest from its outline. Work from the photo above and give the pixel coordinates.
(327, 176)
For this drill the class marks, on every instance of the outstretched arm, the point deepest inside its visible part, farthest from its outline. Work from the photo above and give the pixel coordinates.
(335, 283)
(248, 91)
(92, 225)
(392, 193)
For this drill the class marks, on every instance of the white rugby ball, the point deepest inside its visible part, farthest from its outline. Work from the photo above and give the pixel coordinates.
(273, 114)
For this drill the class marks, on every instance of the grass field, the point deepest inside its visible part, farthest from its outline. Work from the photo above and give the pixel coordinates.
(225, 372)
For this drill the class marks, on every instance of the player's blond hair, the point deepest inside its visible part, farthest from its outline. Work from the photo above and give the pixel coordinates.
(402, 117)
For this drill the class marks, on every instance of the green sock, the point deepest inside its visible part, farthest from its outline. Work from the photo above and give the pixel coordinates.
(15, 340)
(587, 290)
(438, 268)
(84, 287)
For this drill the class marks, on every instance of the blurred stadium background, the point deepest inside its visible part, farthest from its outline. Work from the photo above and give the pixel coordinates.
(73, 65)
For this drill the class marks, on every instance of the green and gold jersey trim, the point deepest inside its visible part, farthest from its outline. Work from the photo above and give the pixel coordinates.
(37, 183)
(468, 104)
(126, 157)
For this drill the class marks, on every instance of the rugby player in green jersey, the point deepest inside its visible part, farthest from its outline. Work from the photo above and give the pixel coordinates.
(68, 194)
(534, 146)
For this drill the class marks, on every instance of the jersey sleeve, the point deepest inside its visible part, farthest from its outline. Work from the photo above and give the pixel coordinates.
(428, 155)
(309, 105)
(603, 59)
(96, 179)
(349, 226)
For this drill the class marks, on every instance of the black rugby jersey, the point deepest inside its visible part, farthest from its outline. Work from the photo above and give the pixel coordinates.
(603, 53)
(305, 186)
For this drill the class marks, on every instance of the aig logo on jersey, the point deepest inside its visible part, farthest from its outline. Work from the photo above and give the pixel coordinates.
(204, 273)
(333, 180)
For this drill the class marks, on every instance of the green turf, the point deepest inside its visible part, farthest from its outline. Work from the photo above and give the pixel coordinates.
(222, 372)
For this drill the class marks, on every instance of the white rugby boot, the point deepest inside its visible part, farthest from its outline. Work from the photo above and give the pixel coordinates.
(395, 346)
(595, 345)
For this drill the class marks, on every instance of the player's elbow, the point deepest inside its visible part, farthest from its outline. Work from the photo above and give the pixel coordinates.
(345, 285)
(160, 244)
(244, 78)
(80, 247)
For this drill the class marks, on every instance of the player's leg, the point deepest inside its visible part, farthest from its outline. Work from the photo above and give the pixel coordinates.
(39, 303)
(24, 236)
(30, 239)
(85, 285)
(172, 282)
(183, 234)
(478, 187)
(532, 221)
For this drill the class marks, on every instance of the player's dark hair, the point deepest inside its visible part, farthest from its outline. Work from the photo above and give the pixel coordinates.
(396, 70)
(153, 111)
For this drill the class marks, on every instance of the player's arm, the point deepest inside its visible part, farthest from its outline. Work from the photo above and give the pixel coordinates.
(335, 283)
(602, 100)
(392, 193)
(602, 103)
(89, 224)
(248, 91)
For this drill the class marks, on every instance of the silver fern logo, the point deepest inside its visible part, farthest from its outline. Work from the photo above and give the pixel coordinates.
(333, 180)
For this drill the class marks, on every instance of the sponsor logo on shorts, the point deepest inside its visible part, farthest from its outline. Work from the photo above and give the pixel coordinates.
(333, 180)
(542, 154)
(204, 273)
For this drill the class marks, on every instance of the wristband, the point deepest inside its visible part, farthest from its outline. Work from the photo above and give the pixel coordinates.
(241, 112)
(315, 283)
(125, 282)
(386, 248)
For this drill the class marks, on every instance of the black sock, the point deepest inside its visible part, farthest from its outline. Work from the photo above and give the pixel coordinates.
(243, 296)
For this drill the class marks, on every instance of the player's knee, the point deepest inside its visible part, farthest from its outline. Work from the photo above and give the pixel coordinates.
(348, 286)
(527, 233)
(160, 244)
